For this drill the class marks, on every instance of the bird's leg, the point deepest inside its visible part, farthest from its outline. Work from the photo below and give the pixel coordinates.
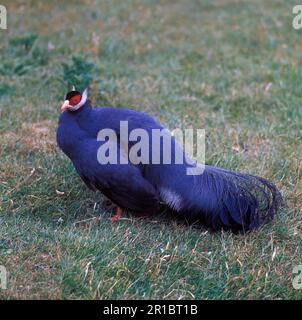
(118, 213)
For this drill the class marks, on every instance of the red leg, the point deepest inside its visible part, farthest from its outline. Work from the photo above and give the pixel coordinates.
(118, 214)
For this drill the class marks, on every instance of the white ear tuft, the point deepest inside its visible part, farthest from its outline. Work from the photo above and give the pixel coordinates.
(85, 94)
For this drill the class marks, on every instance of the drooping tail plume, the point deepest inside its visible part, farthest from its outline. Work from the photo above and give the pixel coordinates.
(223, 199)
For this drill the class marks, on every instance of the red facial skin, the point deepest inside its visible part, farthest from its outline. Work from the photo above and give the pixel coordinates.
(75, 100)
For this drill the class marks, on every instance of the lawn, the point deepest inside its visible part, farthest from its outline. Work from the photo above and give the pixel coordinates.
(231, 67)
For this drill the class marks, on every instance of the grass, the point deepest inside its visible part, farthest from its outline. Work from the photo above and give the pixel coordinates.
(231, 67)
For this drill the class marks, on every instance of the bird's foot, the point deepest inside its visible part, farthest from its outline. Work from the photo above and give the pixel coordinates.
(117, 215)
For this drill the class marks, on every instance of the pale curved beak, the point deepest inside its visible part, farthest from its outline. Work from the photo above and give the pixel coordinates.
(65, 105)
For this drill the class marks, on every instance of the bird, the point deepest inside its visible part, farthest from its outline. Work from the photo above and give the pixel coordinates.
(217, 199)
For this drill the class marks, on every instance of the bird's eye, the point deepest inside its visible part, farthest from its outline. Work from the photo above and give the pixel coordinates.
(75, 100)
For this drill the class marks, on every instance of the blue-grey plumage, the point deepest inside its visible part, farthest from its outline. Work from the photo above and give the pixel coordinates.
(218, 198)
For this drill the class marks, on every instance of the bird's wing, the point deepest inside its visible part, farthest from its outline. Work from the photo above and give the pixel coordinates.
(121, 183)
(129, 189)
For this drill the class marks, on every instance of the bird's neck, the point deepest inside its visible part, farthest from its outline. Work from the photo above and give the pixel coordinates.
(86, 107)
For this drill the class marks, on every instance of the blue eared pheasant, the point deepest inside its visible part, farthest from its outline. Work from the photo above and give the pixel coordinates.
(217, 198)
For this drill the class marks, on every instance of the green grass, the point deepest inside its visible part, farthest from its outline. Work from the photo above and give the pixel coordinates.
(231, 67)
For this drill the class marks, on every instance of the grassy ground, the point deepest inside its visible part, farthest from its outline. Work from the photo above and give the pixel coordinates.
(231, 67)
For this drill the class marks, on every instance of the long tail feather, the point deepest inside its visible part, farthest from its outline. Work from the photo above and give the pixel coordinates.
(223, 199)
